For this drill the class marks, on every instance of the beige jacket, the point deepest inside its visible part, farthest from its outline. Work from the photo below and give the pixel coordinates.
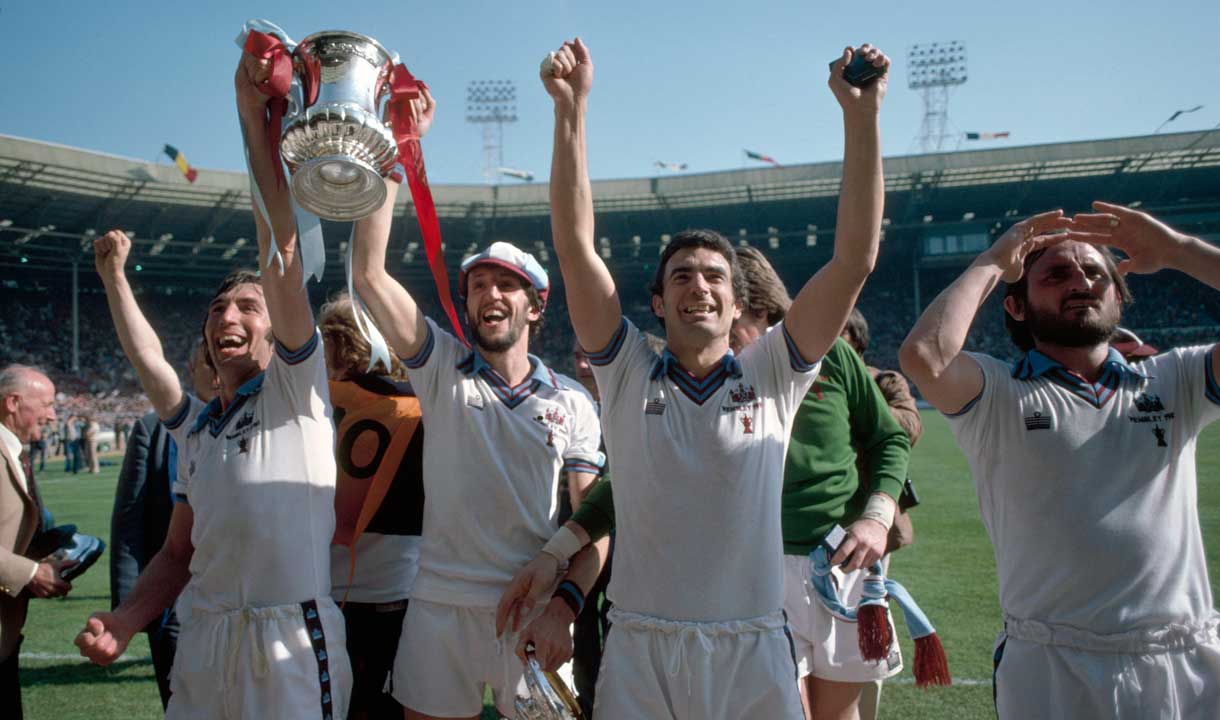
(18, 521)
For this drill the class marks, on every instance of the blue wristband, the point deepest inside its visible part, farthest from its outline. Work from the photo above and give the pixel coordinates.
(571, 595)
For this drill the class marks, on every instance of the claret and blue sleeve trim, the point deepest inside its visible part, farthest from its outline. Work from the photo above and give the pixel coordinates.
(295, 357)
(795, 359)
(180, 414)
(974, 401)
(581, 466)
(606, 355)
(417, 360)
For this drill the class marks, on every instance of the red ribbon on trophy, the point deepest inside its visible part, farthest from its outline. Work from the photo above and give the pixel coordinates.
(404, 88)
(268, 47)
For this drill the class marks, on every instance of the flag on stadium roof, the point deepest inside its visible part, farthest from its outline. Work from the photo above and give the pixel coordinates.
(179, 160)
(1177, 115)
(761, 158)
(525, 175)
(986, 136)
(670, 166)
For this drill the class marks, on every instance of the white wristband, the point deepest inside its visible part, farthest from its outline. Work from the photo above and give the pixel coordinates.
(881, 508)
(562, 545)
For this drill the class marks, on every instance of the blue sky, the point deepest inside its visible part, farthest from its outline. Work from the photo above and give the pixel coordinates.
(688, 81)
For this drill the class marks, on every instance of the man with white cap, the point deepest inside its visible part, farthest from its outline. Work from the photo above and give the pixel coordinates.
(501, 428)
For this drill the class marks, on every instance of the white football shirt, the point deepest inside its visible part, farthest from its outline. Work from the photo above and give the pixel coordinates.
(1088, 490)
(260, 480)
(492, 458)
(698, 468)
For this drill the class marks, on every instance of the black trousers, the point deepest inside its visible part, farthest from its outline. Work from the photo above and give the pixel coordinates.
(163, 642)
(10, 686)
(372, 642)
(589, 639)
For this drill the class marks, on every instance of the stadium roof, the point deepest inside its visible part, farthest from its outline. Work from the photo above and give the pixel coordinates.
(53, 198)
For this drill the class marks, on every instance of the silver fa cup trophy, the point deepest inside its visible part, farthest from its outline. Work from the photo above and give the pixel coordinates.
(549, 698)
(335, 143)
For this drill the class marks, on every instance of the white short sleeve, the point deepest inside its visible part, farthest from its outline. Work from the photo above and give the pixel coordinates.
(179, 426)
(299, 375)
(626, 356)
(972, 425)
(583, 453)
(1199, 392)
(434, 367)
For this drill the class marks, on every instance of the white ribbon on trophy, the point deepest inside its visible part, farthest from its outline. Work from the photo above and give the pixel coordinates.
(309, 226)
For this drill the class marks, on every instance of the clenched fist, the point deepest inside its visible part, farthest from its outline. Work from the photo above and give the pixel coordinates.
(567, 73)
(104, 638)
(110, 253)
(252, 73)
(868, 98)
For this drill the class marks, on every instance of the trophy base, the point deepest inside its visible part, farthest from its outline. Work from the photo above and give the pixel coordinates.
(338, 187)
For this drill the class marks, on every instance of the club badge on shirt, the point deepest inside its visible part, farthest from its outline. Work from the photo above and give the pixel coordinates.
(553, 419)
(1150, 409)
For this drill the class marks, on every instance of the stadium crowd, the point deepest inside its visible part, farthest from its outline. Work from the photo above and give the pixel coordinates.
(38, 330)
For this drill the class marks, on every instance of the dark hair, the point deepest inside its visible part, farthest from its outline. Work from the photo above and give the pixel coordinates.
(1018, 330)
(857, 331)
(535, 299)
(765, 291)
(240, 276)
(709, 239)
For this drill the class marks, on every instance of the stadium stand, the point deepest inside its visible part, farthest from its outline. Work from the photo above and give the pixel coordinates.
(941, 209)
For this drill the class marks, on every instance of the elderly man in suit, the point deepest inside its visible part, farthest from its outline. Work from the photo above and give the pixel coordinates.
(27, 404)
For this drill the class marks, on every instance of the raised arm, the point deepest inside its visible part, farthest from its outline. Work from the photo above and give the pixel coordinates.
(393, 308)
(932, 353)
(820, 309)
(282, 281)
(140, 342)
(593, 302)
(1151, 245)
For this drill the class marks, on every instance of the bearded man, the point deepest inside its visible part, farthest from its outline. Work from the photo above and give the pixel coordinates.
(1085, 469)
(501, 428)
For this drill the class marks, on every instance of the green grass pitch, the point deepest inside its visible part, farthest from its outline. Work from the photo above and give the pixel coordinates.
(949, 569)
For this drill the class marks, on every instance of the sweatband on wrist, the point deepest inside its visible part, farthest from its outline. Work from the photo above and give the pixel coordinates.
(563, 545)
(880, 507)
(571, 595)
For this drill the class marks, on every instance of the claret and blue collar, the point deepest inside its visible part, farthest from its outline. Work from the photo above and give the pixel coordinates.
(212, 415)
(1114, 370)
(697, 389)
(668, 363)
(512, 395)
(1035, 364)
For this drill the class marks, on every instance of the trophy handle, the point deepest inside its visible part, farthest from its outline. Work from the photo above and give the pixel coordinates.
(308, 69)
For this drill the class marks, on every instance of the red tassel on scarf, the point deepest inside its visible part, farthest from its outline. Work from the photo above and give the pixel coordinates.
(873, 631)
(931, 663)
